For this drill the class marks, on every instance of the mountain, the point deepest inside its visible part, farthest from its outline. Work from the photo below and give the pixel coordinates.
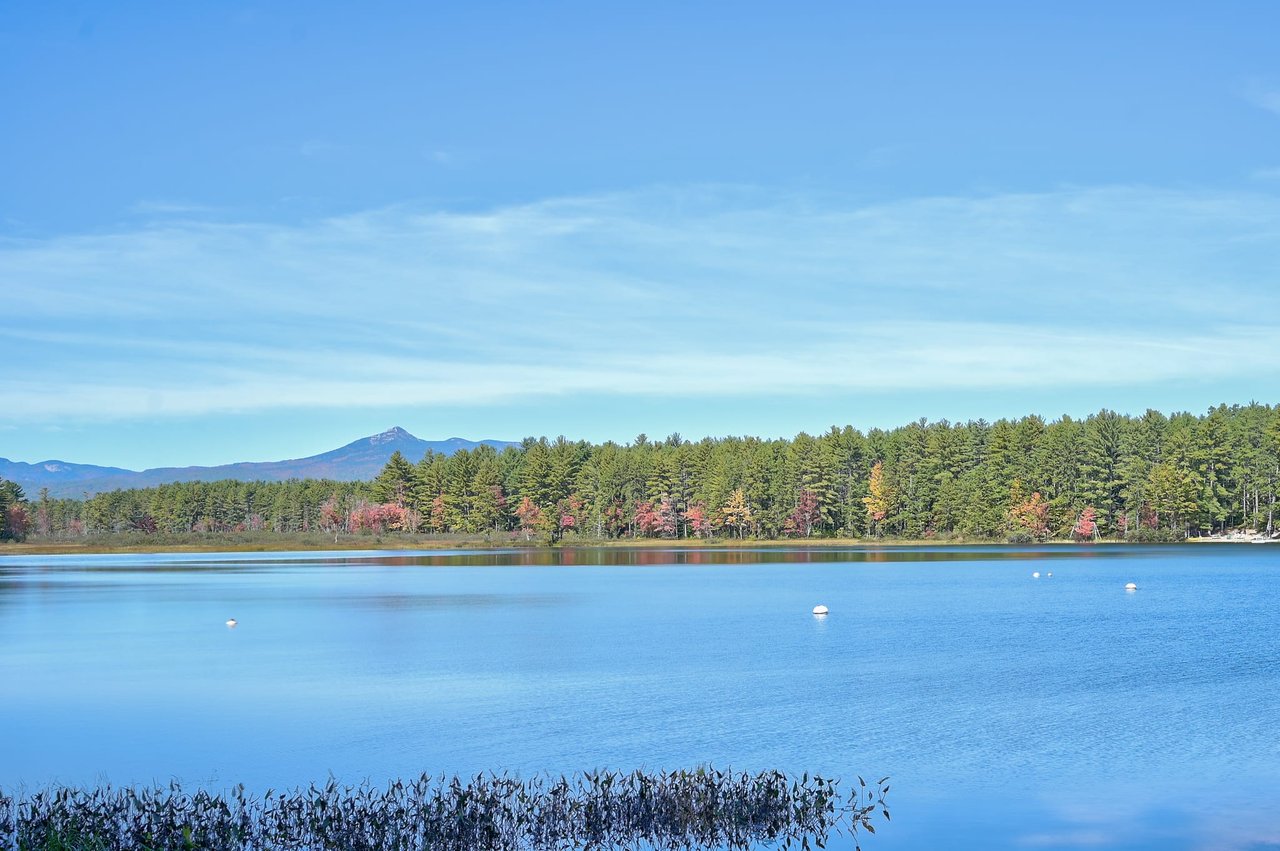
(359, 460)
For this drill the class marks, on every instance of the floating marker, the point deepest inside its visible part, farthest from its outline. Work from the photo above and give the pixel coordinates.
(1132, 586)
(819, 610)
(1035, 575)
(231, 623)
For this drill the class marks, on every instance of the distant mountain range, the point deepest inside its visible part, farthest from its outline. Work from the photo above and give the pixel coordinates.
(360, 460)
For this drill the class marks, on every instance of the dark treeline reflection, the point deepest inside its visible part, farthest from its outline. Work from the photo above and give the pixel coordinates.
(621, 556)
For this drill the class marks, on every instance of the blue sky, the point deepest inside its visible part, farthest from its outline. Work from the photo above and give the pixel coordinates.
(243, 232)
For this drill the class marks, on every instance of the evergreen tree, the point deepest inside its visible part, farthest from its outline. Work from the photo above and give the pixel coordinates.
(395, 483)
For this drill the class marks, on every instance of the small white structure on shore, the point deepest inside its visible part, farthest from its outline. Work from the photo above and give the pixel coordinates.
(1132, 586)
(231, 623)
(820, 610)
(1035, 575)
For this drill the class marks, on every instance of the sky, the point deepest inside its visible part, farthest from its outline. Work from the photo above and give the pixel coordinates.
(250, 232)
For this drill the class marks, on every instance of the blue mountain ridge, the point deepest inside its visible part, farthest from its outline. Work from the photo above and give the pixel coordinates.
(359, 460)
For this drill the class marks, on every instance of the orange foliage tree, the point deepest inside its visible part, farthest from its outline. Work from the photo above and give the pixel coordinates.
(1030, 516)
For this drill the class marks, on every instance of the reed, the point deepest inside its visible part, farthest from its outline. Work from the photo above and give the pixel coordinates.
(701, 810)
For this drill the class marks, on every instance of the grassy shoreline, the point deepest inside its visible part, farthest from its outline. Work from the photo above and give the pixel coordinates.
(125, 544)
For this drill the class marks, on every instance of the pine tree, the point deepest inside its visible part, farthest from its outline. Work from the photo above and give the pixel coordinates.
(394, 484)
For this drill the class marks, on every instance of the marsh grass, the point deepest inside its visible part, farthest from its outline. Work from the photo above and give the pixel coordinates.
(701, 810)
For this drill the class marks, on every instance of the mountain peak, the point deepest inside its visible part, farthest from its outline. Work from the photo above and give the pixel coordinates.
(391, 435)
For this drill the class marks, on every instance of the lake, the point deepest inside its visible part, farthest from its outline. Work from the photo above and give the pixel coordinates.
(1011, 712)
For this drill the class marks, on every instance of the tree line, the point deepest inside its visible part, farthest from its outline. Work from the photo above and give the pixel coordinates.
(1148, 477)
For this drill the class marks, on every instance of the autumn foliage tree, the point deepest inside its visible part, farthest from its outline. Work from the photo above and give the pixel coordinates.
(439, 517)
(13, 511)
(569, 510)
(1030, 516)
(1086, 528)
(804, 516)
(879, 498)
(14, 522)
(529, 516)
(613, 519)
(736, 514)
(332, 518)
(698, 521)
(668, 517)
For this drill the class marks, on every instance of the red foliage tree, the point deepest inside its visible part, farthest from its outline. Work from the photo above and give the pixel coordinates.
(668, 518)
(363, 517)
(1086, 528)
(528, 515)
(699, 522)
(379, 518)
(331, 516)
(805, 515)
(615, 519)
(646, 518)
(439, 521)
(392, 516)
(569, 509)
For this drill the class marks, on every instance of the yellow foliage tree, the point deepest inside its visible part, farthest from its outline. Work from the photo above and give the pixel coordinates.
(736, 514)
(880, 497)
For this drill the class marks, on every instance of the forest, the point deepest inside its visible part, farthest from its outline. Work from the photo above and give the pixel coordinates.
(1153, 477)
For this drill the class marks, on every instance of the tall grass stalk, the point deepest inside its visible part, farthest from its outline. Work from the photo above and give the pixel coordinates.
(703, 809)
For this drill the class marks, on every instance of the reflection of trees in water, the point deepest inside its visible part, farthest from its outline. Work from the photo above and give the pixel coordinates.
(714, 556)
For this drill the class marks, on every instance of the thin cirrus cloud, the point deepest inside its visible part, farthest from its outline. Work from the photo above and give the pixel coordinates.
(1264, 97)
(678, 293)
(873, 363)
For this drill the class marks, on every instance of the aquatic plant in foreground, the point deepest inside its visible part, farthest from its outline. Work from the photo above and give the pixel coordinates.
(702, 809)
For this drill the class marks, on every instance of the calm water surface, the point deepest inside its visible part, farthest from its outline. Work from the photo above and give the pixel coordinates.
(1011, 712)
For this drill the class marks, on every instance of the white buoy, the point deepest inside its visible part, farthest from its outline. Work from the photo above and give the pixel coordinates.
(1035, 575)
(819, 610)
(1049, 574)
(1132, 586)
(231, 623)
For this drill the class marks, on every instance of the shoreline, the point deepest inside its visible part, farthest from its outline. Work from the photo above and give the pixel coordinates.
(108, 547)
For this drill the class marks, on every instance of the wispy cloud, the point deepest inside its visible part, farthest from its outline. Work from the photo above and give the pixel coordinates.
(1269, 101)
(672, 293)
(162, 207)
(1068, 839)
(1264, 96)
(1115, 814)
